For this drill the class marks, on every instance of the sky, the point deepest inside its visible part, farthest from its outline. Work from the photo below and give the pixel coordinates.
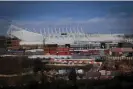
(91, 16)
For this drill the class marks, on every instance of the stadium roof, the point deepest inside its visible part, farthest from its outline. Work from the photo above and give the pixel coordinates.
(29, 37)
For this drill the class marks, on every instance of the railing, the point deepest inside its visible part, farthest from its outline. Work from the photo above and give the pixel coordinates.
(118, 58)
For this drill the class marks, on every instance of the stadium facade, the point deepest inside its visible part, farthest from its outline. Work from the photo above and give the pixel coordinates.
(76, 43)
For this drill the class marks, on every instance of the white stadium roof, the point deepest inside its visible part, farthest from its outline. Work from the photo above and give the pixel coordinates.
(30, 38)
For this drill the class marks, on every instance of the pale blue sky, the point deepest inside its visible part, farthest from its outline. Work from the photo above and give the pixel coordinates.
(102, 17)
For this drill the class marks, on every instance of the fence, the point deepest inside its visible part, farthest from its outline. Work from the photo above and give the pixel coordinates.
(118, 58)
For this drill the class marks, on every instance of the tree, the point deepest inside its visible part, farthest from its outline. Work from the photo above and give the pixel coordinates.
(38, 65)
